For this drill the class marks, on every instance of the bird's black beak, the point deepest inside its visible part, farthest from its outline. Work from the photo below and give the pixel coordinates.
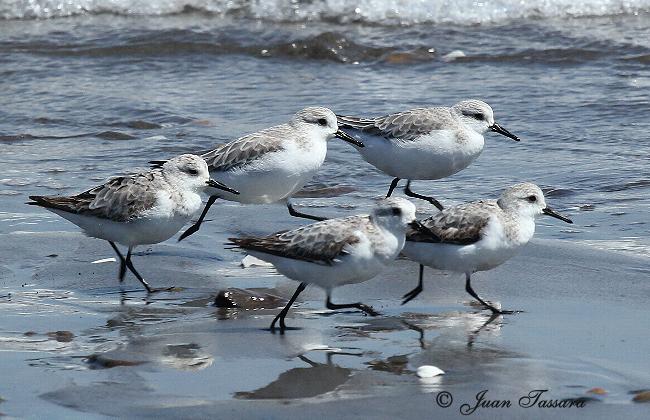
(216, 184)
(550, 212)
(346, 137)
(497, 128)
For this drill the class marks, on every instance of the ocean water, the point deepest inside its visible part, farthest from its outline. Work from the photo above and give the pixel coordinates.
(95, 88)
(90, 89)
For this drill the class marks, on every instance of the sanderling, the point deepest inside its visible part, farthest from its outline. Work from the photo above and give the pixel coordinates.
(425, 143)
(272, 164)
(478, 236)
(143, 208)
(335, 252)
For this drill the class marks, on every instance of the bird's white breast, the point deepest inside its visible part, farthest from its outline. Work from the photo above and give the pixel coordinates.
(437, 155)
(275, 176)
(496, 246)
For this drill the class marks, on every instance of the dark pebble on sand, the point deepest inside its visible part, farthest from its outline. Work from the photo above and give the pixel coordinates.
(642, 397)
(247, 299)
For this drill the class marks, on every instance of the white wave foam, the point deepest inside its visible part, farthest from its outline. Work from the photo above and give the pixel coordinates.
(390, 12)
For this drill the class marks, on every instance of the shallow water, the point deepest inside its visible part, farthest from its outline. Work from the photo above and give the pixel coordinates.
(93, 89)
(89, 91)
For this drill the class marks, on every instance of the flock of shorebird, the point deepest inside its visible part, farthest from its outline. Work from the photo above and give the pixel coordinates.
(272, 164)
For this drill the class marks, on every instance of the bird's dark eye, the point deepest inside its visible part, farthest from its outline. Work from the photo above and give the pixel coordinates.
(193, 171)
(532, 198)
(396, 211)
(475, 115)
(322, 121)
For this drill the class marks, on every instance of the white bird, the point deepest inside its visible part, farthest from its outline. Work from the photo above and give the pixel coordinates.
(272, 164)
(477, 236)
(335, 252)
(424, 143)
(144, 208)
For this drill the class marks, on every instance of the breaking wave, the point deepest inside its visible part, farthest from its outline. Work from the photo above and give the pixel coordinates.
(378, 12)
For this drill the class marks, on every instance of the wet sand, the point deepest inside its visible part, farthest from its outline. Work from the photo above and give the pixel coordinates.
(75, 344)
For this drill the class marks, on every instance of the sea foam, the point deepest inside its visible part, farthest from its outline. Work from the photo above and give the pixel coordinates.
(381, 12)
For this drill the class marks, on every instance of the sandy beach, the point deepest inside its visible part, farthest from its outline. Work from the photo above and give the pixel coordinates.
(74, 343)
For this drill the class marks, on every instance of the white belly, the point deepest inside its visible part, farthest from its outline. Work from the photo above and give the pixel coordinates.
(458, 258)
(273, 178)
(346, 271)
(143, 231)
(431, 157)
(155, 225)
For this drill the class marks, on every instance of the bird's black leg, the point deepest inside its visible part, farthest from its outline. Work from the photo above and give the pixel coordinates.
(393, 185)
(410, 193)
(417, 329)
(135, 272)
(285, 310)
(468, 288)
(122, 261)
(308, 361)
(296, 213)
(358, 305)
(473, 335)
(195, 227)
(413, 293)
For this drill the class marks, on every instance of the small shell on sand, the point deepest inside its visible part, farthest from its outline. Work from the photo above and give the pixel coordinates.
(428, 371)
(250, 261)
(104, 260)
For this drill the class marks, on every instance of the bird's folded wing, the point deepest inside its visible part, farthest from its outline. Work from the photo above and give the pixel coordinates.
(405, 125)
(320, 243)
(247, 149)
(460, 225)
(119, 199)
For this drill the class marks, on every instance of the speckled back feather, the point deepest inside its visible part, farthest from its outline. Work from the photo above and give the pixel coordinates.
(460, 225)
(247, 149)
(405, 125)
(319, 243)
(119, 199)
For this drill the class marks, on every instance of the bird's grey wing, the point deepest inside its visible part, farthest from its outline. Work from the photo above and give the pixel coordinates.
(120, 199)
(460, 225)
(405, 125)
(246, 149)
(320, 243)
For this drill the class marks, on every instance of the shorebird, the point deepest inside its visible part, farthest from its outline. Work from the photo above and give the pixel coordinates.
(424, 143)
(272, 164)
(335, 252)
(140, 209)
(477, 236)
